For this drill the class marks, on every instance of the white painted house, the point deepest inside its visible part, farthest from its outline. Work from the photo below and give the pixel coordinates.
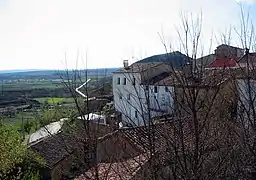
(136, 95)
(247, 98)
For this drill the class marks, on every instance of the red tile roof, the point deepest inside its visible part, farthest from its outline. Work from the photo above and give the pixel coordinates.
(124, 170)
(223, 63)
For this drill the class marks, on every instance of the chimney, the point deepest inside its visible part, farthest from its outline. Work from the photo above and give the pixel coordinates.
(126, 64)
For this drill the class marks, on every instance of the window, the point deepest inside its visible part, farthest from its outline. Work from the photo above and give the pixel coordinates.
(120, 96)
(133, 81)
(118, 80)
(128, 96)
(155, 89)
(136, 114)
(124, 81)
(166, 89)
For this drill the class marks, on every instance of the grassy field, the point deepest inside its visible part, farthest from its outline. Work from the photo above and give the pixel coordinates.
(31, 85)
(36, 84)
(54, 100)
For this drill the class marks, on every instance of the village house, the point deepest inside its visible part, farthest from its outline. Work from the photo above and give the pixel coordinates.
(211, 92)
(131, 153)
(241, 63)
(69, 151)
(124, 154)
(226, 56)
(246, 93)
(136, 96)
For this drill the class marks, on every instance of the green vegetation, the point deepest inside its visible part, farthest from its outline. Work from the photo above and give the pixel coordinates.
(24, 85)
(30, 84)
(54, 100)
(16, 161)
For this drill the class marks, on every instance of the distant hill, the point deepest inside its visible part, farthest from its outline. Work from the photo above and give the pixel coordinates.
(17, 71)
(176, 59)
(52, 74)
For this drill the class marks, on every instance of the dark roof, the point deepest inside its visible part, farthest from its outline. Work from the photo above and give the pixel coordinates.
(156, 79)
(205, 60)
(176, 59)
(208, 78)
(159, 136)
(56, 147)
(139, 67)
(53, 149)
(140, 135)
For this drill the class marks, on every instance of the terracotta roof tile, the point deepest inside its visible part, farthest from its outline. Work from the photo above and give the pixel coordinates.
(223, 63)
(123, 170)
(56, 147)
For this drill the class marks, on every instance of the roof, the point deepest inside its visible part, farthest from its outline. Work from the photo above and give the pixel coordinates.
(205, 60)
(140, 135)
(155, 79)
(156, 137)
(139, 138)
(223, 63)
(53, 149)
(139, 67)
(48, 130)
(122, 170)
(208, 78)
(56, 147)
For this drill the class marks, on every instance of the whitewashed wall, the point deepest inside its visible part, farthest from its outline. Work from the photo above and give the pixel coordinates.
(131, 101)
(244, 100)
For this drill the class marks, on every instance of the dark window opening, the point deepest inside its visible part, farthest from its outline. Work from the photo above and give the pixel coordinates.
(118, 80)
(166, 89)
(124, 81)
(147, 88)
(155, 89)
(136, 114)
(133, 81)
(128, 96)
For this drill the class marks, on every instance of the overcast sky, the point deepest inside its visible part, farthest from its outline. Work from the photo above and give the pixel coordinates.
(35, 34)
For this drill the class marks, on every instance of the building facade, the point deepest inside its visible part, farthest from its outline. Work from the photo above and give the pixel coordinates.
(136, 95)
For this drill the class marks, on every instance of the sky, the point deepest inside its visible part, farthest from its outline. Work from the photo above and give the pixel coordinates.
(58, 34)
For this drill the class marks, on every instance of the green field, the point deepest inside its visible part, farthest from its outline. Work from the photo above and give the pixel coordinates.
(39, 84)
(54, 100)
(31, 85)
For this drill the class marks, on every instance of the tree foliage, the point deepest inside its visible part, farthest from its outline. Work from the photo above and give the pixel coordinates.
(16, 161)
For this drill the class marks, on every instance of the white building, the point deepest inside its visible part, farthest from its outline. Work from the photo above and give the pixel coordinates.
(247, 98)
(137, 96)
(96, 118)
